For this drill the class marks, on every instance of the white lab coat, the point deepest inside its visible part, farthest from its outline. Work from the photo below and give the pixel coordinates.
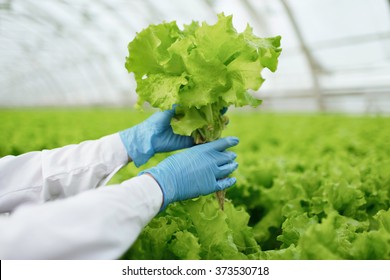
(56, 210)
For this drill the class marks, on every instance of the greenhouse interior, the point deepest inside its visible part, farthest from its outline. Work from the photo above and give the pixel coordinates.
(304, 85)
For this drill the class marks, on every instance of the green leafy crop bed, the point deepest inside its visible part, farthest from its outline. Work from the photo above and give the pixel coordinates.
(308, 186)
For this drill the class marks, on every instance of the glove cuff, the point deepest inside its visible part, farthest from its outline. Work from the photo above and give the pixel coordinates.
(138, 146)
(166, 189)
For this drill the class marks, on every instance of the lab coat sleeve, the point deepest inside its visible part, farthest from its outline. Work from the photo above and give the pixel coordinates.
(96, 224)
(38, 177)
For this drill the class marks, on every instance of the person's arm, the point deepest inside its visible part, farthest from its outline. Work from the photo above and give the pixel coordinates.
(37, 177)
(96, 224)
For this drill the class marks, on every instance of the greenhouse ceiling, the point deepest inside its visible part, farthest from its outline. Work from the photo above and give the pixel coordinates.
(336, 53)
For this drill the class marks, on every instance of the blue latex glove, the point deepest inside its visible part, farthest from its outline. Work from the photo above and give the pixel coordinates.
(152, 136)
(199, 170)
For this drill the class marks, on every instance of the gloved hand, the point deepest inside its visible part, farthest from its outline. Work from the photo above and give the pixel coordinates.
(199, 170)
(152, 136)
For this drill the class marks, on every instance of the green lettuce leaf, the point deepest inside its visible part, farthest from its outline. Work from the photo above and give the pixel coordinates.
(200, 68)
(197, 229)
(185, 246)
